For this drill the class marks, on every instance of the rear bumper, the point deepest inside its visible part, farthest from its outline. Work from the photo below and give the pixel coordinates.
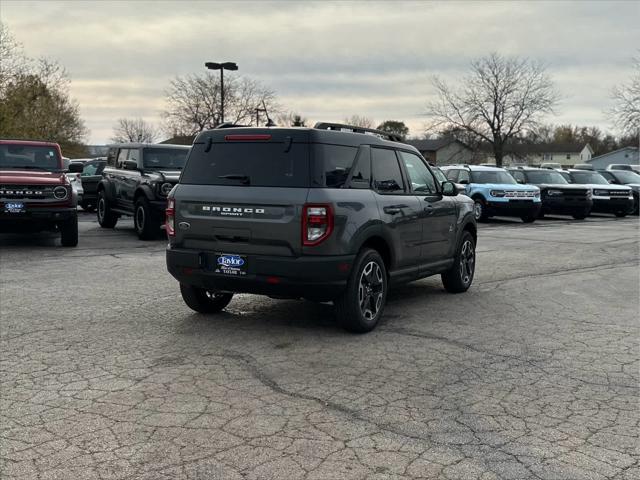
(317, 278)
(34, 219)
(513, 208)
(613, 205)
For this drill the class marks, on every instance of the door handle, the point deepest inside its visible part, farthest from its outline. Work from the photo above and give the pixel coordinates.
(393, 209)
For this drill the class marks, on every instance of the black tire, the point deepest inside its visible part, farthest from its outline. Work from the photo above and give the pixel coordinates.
(541, 215)
(580, 215)
(621, 214)
(204, 301)
(636, 205)
(106, 217)
(145, 221)
(528, 218)
(480, 209)
(69, 232)
(459, 277)
(361, 306)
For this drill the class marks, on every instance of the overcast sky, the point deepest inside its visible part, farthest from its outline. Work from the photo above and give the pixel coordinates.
(325, 60)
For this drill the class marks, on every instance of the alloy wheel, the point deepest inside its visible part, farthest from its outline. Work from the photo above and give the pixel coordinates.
(467, 261)
(140, 219)
(477, 210)
(371, 290)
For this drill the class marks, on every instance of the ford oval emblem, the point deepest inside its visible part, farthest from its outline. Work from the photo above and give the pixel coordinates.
(184, 226)
(230, 260)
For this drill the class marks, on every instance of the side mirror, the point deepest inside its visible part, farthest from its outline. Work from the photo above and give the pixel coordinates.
(449, 189)
(75, 168)
(130, 165)
(520, 181)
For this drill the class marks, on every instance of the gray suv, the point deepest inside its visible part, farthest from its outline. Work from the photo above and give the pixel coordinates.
(330, 213)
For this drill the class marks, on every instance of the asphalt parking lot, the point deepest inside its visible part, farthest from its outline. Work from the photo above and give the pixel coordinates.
(533, 373)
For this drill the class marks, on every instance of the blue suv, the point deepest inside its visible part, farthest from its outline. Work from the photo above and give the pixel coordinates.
(495, 192)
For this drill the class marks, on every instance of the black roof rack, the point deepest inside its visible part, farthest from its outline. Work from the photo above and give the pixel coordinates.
(340, 127)
(229, 125)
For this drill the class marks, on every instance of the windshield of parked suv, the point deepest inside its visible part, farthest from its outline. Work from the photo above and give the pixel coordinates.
(491, 176)
(545, 177)
(29, 157)
(585, 177)
(256, 164)
(625, 177)
(164, 158)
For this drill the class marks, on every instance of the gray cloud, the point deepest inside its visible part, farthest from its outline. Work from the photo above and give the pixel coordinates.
(327, 60)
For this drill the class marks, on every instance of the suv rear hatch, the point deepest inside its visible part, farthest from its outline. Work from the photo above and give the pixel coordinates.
(242, 192)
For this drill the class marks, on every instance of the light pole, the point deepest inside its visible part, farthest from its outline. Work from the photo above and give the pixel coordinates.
(222, 67)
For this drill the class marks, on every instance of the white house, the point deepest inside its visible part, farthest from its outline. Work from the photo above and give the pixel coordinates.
(625, 156)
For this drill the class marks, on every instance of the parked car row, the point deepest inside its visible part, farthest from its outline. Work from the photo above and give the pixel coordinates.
(530, 193)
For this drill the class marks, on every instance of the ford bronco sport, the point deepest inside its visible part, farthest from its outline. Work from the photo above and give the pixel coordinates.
(35, 193)
(318, 213)
(136, 181)
(495, 192)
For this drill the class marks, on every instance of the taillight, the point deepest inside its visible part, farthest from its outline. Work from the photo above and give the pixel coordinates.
(170, 223)
(317, 224)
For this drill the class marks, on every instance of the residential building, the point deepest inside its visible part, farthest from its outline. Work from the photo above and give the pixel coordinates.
(624, 156)
(444, 151)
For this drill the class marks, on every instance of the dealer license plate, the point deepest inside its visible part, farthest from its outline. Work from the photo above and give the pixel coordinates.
(230, 264)
(14, 207)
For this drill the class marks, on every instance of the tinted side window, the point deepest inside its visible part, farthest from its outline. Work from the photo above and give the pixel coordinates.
(111, 157)
(89, 169)
(386, 171)
(361, 177)
(463, 176)
(333, 164)
(122, 156)
(419, 175)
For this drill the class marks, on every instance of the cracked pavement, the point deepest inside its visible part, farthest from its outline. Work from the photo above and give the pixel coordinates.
(533, 373)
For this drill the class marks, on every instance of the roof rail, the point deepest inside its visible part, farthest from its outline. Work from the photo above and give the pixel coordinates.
(339, 127)
(228, 125)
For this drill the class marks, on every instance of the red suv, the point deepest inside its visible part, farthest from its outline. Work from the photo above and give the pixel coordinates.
(35, 193)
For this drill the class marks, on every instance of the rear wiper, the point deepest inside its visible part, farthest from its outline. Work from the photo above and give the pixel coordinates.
(233, 176)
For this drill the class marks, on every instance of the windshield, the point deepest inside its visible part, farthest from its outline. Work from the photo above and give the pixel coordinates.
(491, 176)
(28, 157)
(164, 158)
(626, 177)
(585, 177)
(545, 177)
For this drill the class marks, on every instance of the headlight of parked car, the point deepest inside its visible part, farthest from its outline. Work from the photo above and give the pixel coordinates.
(601, 193)
(497, 193)
(60, 193)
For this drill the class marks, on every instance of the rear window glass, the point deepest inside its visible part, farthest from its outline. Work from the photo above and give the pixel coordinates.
(169, 158)
(333, 164)
(386, 171)
(256, 164)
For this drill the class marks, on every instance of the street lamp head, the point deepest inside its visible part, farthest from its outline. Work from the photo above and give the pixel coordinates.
(221, 66)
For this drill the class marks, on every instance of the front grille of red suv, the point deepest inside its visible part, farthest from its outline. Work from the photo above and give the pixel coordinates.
(26, 192)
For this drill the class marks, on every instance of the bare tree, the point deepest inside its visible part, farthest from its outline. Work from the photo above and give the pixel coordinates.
(193, 102)
(626, 109)
(291, 119)
(128, 130)
(359, 121)
(499, 99)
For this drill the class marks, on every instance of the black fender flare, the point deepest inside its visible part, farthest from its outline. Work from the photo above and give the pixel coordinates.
(143, 190)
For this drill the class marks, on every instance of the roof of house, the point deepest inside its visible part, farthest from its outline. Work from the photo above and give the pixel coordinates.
(433, 145)
(180, 140)
(632, 149)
